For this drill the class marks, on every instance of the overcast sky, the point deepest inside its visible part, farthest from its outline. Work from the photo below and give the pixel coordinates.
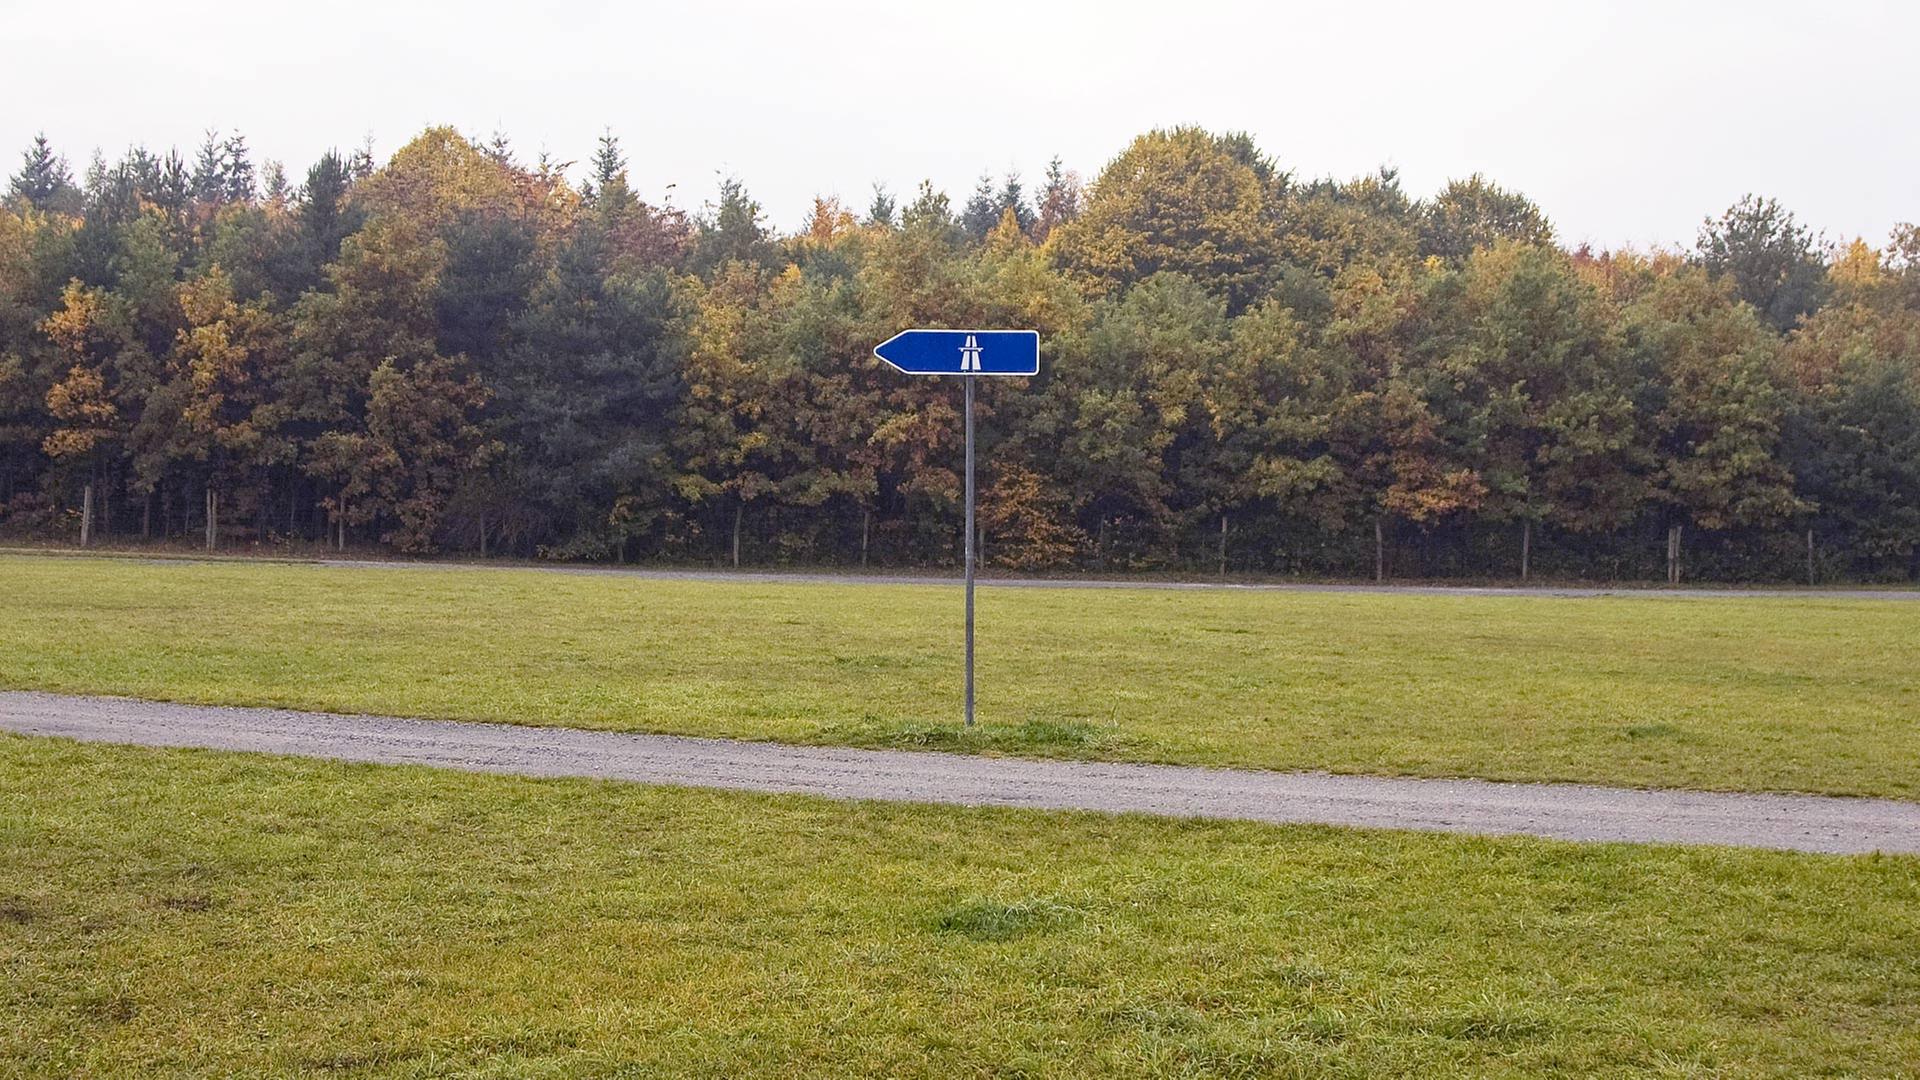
(1627, 122)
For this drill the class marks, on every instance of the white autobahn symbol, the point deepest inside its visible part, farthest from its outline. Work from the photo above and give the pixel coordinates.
(970, 355)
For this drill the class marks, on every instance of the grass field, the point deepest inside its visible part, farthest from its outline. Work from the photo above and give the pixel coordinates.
(1756, 694)
(193, 913)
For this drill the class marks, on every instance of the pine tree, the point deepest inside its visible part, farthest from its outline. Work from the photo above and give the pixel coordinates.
(173, 189)
(210, 171)
(145, 170)
(1770, 258)
(881, 210)
(606, 189)
(499, 149)
(732, 231)
(275, 182)
(1013, 198)
(608, 164)
(1059, 201)
(360, 165)
(983, 209)
(585, 397)
(324, 215)
(929, 209)
(237, 170)
(44, 181)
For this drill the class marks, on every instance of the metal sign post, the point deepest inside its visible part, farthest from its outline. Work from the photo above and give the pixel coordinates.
(967, 381)
(968, 354)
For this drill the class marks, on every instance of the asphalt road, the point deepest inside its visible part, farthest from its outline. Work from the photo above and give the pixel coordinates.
(818, 577)
(829, 577)
(1564, 811)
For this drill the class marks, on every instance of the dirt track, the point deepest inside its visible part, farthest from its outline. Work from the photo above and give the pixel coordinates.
(1565, 811)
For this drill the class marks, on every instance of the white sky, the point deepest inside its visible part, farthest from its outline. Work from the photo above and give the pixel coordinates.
(1627, 122)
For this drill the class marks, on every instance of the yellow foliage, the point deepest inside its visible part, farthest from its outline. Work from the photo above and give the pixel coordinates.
(828, 223)
(81, 403)
(1174, 200)
(71, 327)
(1856, 271)
(441, 175)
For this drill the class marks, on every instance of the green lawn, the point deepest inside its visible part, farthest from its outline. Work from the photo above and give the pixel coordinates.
(190, 913)
(1758, 694)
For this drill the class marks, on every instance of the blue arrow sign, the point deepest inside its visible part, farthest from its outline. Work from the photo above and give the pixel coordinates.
(963, 352)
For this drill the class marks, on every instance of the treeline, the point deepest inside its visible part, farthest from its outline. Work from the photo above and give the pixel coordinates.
(1242, 370)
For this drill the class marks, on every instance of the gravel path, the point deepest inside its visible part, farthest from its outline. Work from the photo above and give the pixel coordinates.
(1565, 811)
